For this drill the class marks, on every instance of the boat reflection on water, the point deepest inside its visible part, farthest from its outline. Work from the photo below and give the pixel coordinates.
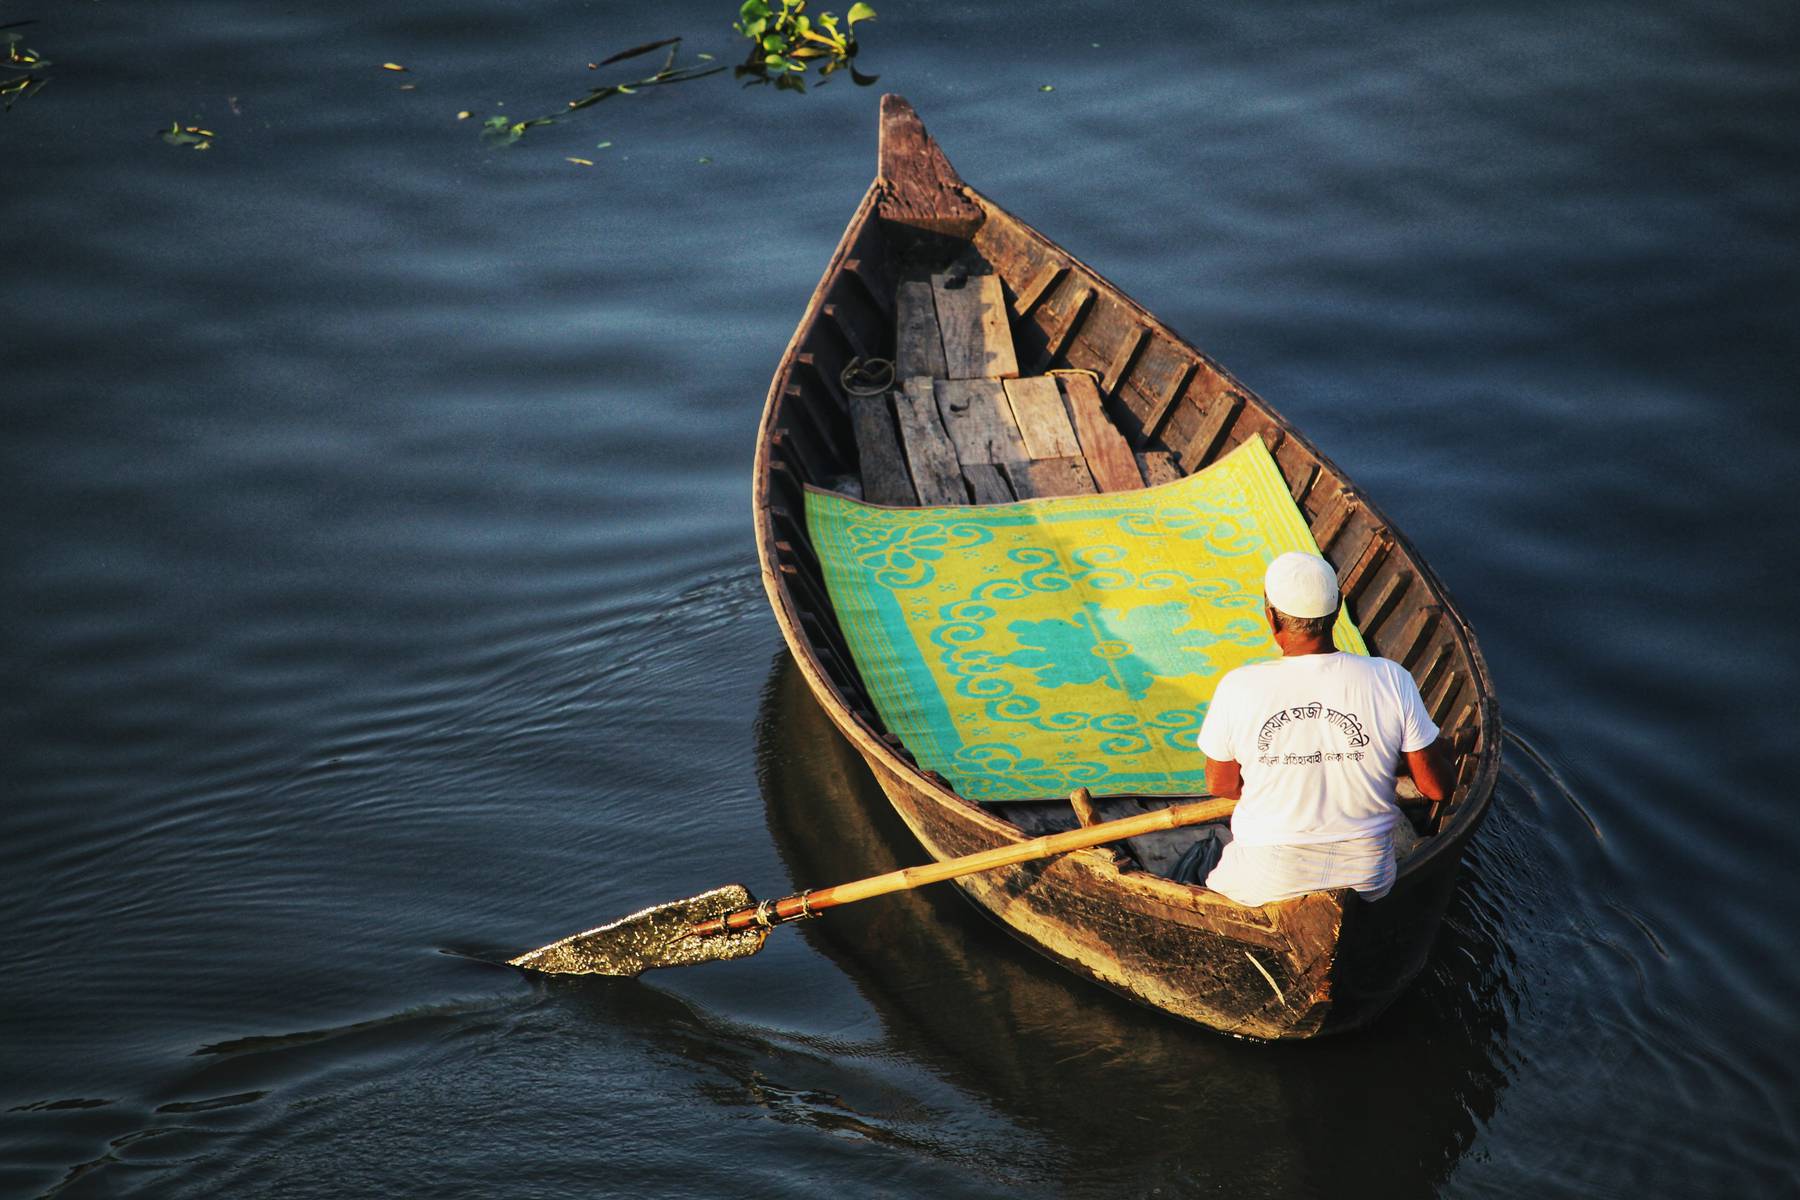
(1135, 1098)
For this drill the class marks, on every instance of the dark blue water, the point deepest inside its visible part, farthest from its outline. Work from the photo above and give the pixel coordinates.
(378, 589)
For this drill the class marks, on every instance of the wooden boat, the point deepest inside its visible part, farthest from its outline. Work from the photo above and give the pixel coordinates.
(1014, 1029)
(1157, 409)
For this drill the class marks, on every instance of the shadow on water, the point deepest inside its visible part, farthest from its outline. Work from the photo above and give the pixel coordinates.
(1134, 1099)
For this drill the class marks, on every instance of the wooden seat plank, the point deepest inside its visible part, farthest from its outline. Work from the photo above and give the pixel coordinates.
(979, 421)
(1037, 405)
(930, 455)
(1068, 476)
(1108, 454)
(884, 477)
(971, 312)
(918, 345)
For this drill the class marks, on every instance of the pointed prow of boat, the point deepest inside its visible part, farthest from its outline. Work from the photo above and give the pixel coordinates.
(924, 206)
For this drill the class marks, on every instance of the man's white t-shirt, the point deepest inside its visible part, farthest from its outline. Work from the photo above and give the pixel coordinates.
(1317, 737)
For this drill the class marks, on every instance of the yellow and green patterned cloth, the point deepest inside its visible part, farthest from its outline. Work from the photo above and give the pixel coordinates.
(1024, 650)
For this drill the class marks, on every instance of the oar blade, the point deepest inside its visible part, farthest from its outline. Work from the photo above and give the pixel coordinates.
(655, 937)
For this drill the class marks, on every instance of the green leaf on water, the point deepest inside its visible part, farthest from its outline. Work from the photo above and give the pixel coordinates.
(859, 12)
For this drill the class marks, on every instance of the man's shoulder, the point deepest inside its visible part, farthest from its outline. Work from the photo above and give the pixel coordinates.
(1387, 667)
(1249, 674)
(1250, 669)
(1243, 683)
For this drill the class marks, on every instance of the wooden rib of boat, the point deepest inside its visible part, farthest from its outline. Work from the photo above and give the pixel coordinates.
(1149, 409)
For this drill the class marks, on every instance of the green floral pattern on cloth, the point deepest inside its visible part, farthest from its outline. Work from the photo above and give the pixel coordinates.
(1023, 650)
(1125, 649)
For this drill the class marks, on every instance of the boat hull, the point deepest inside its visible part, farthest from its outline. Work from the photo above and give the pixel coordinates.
(1318, 964)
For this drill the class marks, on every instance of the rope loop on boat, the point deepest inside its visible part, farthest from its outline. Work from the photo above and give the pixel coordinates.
(867, 376)
(765, 914)
(1093, 375)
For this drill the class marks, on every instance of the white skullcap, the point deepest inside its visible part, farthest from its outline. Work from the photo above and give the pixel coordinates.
(1301, 585)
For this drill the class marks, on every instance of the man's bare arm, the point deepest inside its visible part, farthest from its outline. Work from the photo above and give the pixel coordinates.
(1430, 768)
(1224, 778)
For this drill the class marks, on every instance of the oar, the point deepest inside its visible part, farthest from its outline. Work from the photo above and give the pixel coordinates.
(728, 922)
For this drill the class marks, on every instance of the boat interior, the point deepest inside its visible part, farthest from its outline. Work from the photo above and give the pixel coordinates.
(963, 358)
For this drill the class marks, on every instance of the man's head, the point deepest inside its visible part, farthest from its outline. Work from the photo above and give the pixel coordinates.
(1301, 591)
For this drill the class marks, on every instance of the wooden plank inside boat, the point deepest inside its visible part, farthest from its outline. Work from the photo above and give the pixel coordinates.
(1162, 373)
(971, 313)
(1108, 455)
(930, 457)
(883, 466)
(987, 483)
(1158, 467)
(1037, 406)
(918, 346)
(979, 421)
(1050, 477)
(1039, 285)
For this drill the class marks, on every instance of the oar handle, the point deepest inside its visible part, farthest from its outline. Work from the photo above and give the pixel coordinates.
(806, 904)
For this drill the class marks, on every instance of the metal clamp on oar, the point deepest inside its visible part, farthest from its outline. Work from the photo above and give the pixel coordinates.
(764, 914)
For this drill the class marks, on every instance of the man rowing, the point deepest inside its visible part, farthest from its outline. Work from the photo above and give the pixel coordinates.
(1310, 744)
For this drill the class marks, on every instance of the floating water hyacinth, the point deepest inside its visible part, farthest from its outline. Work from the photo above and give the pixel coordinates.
(31, 78)
(191, 136)
(783, 40)
(503, 130)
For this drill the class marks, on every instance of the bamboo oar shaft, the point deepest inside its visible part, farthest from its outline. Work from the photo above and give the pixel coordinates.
(806, 903)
